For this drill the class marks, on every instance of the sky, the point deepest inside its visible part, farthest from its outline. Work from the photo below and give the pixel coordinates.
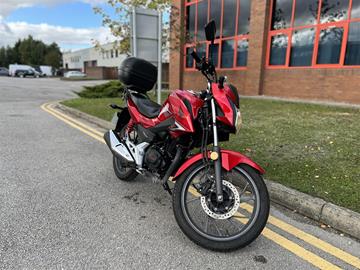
(72, 24)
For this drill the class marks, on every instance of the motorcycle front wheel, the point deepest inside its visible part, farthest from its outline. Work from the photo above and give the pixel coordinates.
(230, 225)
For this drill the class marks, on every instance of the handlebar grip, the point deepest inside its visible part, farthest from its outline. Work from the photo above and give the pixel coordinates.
(196, 57)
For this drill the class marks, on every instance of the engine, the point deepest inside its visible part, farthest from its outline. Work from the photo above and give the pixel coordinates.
(155, 159)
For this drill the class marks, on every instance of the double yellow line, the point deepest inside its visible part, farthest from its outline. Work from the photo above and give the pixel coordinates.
(282, 241)
(49, 108)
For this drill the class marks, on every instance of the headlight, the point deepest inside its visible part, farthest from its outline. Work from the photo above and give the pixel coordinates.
(238, 121)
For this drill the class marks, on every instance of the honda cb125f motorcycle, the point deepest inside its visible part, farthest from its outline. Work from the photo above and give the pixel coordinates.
(220, 200)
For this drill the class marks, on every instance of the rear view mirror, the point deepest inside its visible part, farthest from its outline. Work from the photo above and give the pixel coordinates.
(210, 31)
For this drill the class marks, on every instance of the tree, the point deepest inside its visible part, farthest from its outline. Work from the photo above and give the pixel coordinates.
(120, 27)
(10, 55)
(31, 52)
(3, 60)
(16, 56)
(25, 50)
(53, 56)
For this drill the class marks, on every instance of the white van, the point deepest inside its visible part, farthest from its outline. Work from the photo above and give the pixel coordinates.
(46, 70)
(15, 67)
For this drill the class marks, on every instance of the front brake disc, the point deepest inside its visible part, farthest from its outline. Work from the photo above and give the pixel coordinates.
(231, 211)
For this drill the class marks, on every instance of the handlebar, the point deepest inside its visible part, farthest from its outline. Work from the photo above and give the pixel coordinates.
(206, 67)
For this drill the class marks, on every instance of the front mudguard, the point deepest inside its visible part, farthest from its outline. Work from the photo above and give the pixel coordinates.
(229, 160)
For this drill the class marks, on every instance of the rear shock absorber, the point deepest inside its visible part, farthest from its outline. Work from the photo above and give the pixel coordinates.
(130, 126)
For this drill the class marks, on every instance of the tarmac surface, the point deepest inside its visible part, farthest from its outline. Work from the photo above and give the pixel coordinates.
(62, 207)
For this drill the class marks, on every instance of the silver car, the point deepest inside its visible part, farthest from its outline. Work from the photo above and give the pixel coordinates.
(74, 74)
(4, 71)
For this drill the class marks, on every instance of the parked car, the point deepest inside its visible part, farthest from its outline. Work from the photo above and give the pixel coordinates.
(4, 71)
(74, 74)
(22, 73)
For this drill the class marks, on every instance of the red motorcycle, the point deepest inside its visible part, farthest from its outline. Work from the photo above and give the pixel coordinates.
(220, 200)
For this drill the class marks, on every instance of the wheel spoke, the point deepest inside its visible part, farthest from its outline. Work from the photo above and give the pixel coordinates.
(193, 200)
(240, 215)
(243, 191)
(217, 228)
(235, 224)
(245, 199)
(207, 224)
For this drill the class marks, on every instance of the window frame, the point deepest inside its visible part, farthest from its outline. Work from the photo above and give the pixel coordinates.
(318, 26)
(219, 40)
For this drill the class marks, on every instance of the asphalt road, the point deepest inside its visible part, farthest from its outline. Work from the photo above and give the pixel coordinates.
(61, 206)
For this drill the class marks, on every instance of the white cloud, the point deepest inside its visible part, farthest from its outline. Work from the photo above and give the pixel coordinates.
(64, 36)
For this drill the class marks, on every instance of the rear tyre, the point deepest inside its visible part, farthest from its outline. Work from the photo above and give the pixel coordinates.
(224, 230)
(123, 172)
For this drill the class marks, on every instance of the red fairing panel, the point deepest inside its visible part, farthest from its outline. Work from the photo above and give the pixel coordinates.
(222, 99)
(229, 160)
(195, 102)
(174, 107)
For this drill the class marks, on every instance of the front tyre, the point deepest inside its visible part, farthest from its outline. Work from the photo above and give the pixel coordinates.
(230, 225)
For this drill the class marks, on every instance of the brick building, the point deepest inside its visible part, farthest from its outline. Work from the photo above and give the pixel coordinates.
(308, 49)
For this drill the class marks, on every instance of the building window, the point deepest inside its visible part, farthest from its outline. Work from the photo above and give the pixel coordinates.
(227, 53)
(302, 47)
(112, 53)
(242, 53)
(232, 18)
(314, 33)
(330, 41)
(116, 53)
(189, 63)
(353, 45)
(279, 44)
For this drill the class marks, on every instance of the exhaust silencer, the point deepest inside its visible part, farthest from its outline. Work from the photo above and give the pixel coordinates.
(117, 148)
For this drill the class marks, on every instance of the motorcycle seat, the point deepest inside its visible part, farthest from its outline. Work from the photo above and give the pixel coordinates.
(146, 106)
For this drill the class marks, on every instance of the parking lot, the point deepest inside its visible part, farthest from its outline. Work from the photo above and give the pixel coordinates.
(61, 206)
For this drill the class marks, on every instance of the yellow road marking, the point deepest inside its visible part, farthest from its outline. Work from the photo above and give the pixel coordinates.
(298, 250)
(45, 108)
(312, 240)
(282, 241)
(50, 107)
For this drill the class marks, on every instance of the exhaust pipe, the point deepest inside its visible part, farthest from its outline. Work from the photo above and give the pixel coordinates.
(117, 148)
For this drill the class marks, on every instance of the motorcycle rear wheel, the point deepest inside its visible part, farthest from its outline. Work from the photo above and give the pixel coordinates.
(121, 171)
(213, 230)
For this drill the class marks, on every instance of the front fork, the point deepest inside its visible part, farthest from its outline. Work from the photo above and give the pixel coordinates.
(216, 155)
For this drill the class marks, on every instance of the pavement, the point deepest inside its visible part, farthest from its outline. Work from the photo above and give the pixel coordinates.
(61, 206)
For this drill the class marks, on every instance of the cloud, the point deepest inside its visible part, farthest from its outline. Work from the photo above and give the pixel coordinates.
(66, 37)
(7, 6)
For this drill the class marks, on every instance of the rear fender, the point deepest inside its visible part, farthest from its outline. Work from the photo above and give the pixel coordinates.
(229, 160)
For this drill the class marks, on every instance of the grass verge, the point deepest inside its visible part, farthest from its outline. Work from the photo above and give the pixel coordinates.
(312, 148)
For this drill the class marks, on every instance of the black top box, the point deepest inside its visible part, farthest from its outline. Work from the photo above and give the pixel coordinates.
(138, 74)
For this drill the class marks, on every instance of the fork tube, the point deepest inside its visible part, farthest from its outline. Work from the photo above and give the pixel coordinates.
(217, 162)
